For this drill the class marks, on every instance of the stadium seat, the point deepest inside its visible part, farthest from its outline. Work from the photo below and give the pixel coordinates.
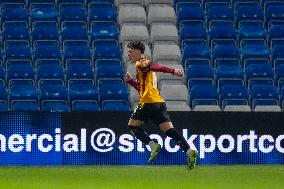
(15, 31)
(50, 70)
(17, 50)
(106, 49)
(177, 106)
(166, 52)
(257, 74)
(17, 70)
(254, 49)
(14, 13)
(76, 50)
(25, 106)
(115, 106)
(83, 91)
(236, 95)
(249, 12)
(79, 69)
(86, 107)
(264, 95)
(73, 11)
(203, 95)
(190, 13)
(219, 12)
(164, 33)
(225, 51)
(43, 12)
(192, 31)
(132, 15)
(222, 31)
(74, 31)
(45, 31)
(109, 72)
(277, 48)
(252, 30)
(102, 12)
(49, 92)
(229, 74)
(113, 92)
(133, 32)
(104, 30)
(174, 93)
(274, 12)
(47, 50)
(22, 90)
(200, 74)
(194, 50)
(160, 15)
(55, 106)
(279, 75)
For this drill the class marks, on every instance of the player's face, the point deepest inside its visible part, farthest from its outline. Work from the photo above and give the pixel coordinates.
(133, 55)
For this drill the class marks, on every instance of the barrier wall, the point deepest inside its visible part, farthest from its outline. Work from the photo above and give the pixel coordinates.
(101, 138)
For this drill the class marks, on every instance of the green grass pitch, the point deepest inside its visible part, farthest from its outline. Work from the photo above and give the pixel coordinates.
(144, 177)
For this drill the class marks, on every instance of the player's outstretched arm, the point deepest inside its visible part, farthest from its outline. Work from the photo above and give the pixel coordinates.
(128, 79)
(161, 68)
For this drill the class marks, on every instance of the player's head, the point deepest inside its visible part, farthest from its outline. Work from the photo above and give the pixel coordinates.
(134, 50)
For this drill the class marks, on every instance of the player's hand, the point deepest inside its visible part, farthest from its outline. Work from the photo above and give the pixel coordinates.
(127, 77)
(178, 72)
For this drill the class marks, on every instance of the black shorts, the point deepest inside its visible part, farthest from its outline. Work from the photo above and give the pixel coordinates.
(157, 112)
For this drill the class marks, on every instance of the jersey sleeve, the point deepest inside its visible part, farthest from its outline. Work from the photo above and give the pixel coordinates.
(161, 68)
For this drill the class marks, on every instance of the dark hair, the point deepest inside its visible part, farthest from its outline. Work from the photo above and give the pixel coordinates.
(136, 45)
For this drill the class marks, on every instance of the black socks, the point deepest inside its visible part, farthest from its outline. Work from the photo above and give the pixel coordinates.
(178, 138)
(139, 133)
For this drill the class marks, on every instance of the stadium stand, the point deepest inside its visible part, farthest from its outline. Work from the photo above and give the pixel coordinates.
(71, 55)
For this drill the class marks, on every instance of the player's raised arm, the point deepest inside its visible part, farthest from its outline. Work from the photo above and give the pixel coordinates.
(128, 79)
(160, 68)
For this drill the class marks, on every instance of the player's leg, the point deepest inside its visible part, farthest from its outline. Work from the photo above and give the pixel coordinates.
(134, 125)
(162, 118)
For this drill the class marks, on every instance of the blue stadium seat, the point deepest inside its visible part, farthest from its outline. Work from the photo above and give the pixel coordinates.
(72, 12)
(109, 72)
(259, 74)
(229, 74)
(86, 107)
(49, 70)
(20, 70)
(115, 106)
(14, 12)
(47, 50)
(74, 31)
(23, 2)
(49, 92)
(79, 69)
(255, 61)
(41, 1)
(83, 91)
(99, 62)
(200, 74)
(220, 13)
(254, 49)
(22, 90)
(70, 1)
(76, 50)
(104, 30)
(264, 95)
(190, 13)
(17, 50)
(252, 30)
(192, 30)
(45, 30)
(195, 62)
(275, 32)
(102, 12)
(279, 75)
(55, 106)
(3, 106)
(233, 95)
(222, 30)
(249, 12)
(43, 12)
(225, 51)
(186, 3)
(3, 95)
(106, 50)
(25, 106)
(195, 49)
(2, 75)
(113, 92)
(203, 95)
(15, 31)
(274, 13)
